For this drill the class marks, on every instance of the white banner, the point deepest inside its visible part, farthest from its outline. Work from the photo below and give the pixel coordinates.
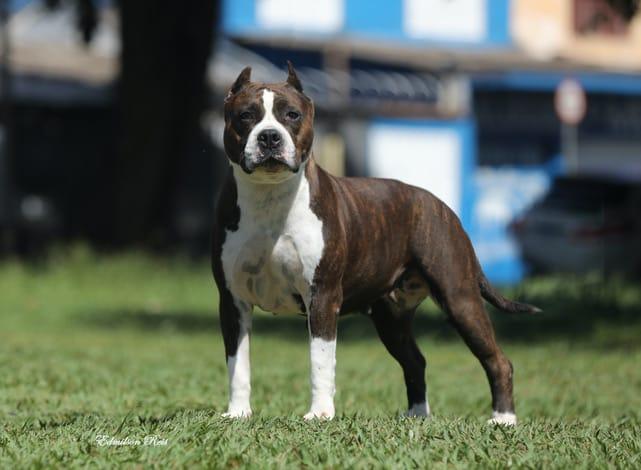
(430, 158)
(446, 20)
(318, 16)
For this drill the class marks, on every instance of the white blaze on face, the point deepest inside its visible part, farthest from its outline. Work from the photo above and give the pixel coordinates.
(269, 121)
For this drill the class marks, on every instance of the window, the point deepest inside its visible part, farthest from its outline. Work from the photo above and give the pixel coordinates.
(599, 17)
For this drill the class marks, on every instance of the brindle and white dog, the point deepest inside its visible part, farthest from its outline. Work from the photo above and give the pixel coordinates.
(291, 238)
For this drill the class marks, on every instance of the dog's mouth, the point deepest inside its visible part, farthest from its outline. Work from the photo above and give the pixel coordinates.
(272, 165)
(268, 165)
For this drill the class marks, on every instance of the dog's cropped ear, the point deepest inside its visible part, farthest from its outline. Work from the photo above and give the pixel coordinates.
(292, 78)
(243, 79)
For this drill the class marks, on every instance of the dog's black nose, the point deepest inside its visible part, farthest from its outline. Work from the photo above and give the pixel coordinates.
(269, 139)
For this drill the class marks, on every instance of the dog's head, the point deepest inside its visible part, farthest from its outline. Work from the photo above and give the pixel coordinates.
(268, 127)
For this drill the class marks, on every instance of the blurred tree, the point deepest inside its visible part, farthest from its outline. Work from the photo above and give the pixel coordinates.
(165, 50)
(165, 47)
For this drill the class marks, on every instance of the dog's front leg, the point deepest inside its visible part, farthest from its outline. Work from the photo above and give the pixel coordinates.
(235, 323)
(322, 317)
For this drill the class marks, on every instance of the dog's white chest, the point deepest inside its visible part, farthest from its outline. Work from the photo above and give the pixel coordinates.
(271, 259)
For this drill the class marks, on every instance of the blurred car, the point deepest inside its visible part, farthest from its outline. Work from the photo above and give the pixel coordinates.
(583, 224)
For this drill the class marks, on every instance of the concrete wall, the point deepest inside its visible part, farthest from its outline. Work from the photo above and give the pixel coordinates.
(545, 30)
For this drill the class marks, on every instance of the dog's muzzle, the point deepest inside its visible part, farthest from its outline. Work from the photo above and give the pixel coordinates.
(270, 156)
(270, 141)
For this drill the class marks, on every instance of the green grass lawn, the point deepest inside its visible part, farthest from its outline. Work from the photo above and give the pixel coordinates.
(128, 347)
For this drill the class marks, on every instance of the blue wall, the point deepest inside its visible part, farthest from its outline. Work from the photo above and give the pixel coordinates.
(377, 20)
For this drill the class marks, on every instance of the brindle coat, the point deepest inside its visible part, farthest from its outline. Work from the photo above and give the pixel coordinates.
(387, 246)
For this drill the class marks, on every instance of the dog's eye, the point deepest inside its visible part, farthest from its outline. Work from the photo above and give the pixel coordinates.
(246, 115)
(293, 115)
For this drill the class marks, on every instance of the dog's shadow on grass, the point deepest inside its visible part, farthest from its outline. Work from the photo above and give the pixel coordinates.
(601, 317)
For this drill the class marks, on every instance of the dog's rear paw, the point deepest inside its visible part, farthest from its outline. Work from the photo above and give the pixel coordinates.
(418, 410)
(319, 414)
(504, 419)
(237, 413)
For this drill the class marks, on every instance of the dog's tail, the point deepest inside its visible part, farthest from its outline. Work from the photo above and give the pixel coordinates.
(490, 294)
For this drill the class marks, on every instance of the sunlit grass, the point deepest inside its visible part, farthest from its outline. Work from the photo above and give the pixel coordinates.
(128, 347)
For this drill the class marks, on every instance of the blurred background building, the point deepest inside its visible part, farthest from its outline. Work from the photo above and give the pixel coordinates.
(112, 124)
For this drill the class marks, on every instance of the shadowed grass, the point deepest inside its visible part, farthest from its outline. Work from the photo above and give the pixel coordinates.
(128, 347)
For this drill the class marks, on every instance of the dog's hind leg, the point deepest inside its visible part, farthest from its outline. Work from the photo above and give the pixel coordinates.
(395, 331)
(465, 308)
(452, 273)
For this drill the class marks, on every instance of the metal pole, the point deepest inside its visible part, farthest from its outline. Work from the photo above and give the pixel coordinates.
(570, 147)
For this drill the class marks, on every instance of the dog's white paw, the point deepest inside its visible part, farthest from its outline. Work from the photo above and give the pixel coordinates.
(237, 413)
(418, 410)
(504, 419)
(320, 413)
